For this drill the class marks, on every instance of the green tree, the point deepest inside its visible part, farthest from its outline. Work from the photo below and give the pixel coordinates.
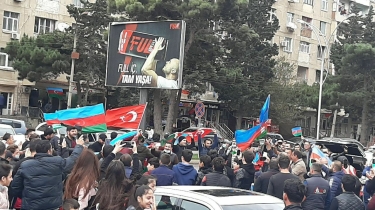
(38, 58)
(200, 46)
(248, 55)
(354, 59)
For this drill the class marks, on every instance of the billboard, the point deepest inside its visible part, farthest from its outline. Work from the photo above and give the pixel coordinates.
(146, 54)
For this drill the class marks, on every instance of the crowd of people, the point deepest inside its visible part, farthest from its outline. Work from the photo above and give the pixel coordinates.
(50, 173)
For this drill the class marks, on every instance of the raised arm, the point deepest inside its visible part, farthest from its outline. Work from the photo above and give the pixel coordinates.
(149, 66)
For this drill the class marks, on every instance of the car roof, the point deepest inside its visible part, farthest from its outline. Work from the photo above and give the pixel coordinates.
(5, 126)
(15, 120)
(219, 195)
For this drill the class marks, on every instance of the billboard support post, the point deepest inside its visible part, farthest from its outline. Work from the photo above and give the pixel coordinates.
(143, 97)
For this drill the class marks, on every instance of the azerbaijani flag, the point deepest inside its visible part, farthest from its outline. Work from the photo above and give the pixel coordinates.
(122, 137)
(55, 92)
(90, 118)
(317, 154)
(297, 131)
(244, 138)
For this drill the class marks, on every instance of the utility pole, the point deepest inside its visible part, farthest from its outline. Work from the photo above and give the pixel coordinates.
(74, 56)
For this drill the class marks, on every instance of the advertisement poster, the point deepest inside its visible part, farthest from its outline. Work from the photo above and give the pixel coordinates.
(146, 54)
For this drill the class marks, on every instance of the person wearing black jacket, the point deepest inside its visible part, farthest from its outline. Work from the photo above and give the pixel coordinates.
(39, 181)
(245, 175)
(2, 153)
(182, 145)
(294, 193)
(54, 140)
(204, 168)
(217, 178)
(261, 184)
(98, 145)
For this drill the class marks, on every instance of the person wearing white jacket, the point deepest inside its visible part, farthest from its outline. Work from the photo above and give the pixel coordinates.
(5, 179)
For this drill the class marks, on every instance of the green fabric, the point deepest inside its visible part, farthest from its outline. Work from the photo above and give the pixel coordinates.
(95, 128)
(297, 134)
(56, 96)
(169, 139)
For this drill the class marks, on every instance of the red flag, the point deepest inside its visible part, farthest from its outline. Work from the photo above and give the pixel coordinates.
(203, 132)
(125, 117)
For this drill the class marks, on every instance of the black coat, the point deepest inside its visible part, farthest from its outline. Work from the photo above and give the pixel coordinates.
(39, 181)
(261, 184)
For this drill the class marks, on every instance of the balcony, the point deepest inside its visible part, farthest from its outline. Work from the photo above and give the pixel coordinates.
(363, 2)
(303, 59)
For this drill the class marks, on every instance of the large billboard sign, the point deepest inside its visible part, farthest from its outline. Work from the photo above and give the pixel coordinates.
(146, 54)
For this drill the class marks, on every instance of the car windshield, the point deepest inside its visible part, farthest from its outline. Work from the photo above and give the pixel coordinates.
(255, 207)
(6, 130)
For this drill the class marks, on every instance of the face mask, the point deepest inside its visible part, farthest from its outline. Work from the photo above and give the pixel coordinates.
(167, 151)
(17, 156)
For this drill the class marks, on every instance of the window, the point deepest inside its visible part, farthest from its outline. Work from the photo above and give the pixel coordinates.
(188, 205)
(289, 17)
(10, 21)
(309, 2)
(302, 74)
(165, 202)
(323, 27)
(304, 47)
(321, 51)
(317, 76)
(288, 44)
(43, 25)
(4, 59)
(307, 20)
(325, 5)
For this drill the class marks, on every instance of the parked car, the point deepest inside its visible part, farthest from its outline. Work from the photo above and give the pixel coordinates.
(191, 130)
(18, 138)
(19, 126)
(355, 151)
(213, 198)
(60, 131)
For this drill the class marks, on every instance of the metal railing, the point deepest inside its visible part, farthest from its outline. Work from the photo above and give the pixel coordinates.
(225, 132)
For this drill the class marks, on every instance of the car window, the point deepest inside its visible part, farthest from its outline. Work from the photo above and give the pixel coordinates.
(255, 207)
(17, 125)
(165, 202)
(7, 122)
(188, 205)
(6, 130)
(191, 130)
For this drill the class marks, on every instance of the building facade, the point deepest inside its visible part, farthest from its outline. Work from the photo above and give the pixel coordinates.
(26, 17)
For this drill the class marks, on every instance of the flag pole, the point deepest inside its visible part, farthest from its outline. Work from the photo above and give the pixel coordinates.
(144, 110)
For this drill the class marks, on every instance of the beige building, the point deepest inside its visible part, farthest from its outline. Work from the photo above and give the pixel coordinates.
(32, 18)
(300, 45)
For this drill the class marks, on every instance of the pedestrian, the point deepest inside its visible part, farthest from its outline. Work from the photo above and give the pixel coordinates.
(147, 180)
(184, 171)
(3, 153)
(167, 150)
(298, 166)
(152, 164)
(49, 135)
(293, 194)
(164, 175)
(39, 181)
(276, 185)
(261, 183)
(98, 145)
(82, 181)
(245, 175)
(142, 199)
(5, 180)
(335, 178)
(70, 138)
(348, 199)
(318, 190)
(114, 190)
(204, 168)
(217, 178)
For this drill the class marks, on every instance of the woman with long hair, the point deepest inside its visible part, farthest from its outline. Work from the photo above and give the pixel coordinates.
(143, 199)
(115, 189)
(82, 181)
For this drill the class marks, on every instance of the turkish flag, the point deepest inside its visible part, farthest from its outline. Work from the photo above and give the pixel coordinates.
(125, 117)
(203, 132)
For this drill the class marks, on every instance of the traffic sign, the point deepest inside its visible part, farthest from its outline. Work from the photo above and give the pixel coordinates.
(199, 109)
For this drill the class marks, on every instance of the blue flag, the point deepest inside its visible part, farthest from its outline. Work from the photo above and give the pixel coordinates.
(264, 111)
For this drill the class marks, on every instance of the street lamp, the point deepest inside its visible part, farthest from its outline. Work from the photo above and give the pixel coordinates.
(323, 53)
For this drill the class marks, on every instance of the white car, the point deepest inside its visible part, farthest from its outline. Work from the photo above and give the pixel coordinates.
(18, 138)
(39, 130)
(213, 198)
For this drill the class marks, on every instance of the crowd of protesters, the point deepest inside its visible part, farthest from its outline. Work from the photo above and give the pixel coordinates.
(47, 172)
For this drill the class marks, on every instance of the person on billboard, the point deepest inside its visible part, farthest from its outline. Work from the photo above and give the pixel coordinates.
(170, 69)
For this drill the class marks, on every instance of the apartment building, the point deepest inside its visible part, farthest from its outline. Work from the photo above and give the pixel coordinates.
(31, 17)
(300, 45)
